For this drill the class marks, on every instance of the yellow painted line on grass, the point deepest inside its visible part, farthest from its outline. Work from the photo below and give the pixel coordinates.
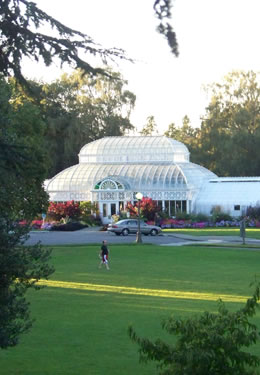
(144, 292)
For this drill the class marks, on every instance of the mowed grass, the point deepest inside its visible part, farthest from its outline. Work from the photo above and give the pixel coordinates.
(80, 329)
(250, 232)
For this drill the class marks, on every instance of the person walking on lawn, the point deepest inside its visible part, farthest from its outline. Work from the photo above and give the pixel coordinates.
(104, 255)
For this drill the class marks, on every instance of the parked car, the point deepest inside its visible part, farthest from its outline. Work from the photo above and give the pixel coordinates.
(128, 226)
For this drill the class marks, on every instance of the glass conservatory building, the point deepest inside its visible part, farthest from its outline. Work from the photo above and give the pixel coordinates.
(112, 170)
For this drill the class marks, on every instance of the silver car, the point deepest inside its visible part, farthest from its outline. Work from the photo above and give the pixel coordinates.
(128, 226)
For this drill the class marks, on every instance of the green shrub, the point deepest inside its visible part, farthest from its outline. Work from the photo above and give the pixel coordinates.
(209, 344)
(200, 217)
(69, 227)
(218, 215)
(253, 212)
(123, 215)
(90, 220)
(182, 216)
(87, 209)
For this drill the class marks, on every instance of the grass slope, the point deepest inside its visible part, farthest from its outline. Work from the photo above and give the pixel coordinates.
(80, 331)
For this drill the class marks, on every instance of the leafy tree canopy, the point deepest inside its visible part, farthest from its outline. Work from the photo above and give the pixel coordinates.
(23, 168)
(186, 134)
(209, 344)
(230, 130)
(227, 142)
(79, 109)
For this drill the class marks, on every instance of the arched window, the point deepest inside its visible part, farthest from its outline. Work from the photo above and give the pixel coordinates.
(109, 184)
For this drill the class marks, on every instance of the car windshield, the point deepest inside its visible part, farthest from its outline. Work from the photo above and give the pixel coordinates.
(130, 221)
(120, 222)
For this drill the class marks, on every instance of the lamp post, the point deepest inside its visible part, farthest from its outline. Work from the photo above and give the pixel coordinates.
(243, 230)
(139, 197)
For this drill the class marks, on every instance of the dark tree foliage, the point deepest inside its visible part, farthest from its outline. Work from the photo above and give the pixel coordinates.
(163, 13)
(186, 134)
(21, 22)
(21, 267)
(22, 170)
(253, 212)
(209, 344)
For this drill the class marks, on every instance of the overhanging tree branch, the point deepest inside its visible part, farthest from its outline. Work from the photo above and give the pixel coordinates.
(162, 10)
(19, 19)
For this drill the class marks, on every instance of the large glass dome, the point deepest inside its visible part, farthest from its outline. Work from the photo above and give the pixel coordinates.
(134, 149)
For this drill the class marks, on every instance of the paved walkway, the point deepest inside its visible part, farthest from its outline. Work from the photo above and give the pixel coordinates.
(211, 239)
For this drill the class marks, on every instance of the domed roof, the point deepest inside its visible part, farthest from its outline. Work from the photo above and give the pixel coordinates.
(84, 176)
(152, 165)
(134, 150)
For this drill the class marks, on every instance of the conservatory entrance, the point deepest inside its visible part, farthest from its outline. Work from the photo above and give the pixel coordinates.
(108, 209)
(112, 196)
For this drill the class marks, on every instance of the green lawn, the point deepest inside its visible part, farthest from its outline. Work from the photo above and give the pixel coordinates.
(82, 330)
(250, 232)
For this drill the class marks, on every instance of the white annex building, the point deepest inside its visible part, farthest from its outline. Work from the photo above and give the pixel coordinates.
(112, 170)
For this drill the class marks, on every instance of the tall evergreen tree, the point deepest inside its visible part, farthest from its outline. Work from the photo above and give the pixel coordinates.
(186, 134)
(150, 128)
(230, 130)
(22, 170)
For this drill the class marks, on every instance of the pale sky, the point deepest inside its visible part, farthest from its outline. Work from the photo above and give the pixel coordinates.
(214, 36)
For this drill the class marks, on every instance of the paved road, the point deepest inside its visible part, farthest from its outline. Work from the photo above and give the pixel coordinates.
(93, 235)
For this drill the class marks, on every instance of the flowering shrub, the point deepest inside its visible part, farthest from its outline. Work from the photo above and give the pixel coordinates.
(60, 210)
(36, 224)
(148, 208)
(133, 210)
(47, 226)
(174, 223)
(200, 225)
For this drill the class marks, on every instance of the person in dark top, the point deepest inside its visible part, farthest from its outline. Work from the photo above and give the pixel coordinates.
(104, 255)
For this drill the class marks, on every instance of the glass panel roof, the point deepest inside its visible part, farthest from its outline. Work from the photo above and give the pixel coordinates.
(84, 176)
(134, 149)
(138, 163)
